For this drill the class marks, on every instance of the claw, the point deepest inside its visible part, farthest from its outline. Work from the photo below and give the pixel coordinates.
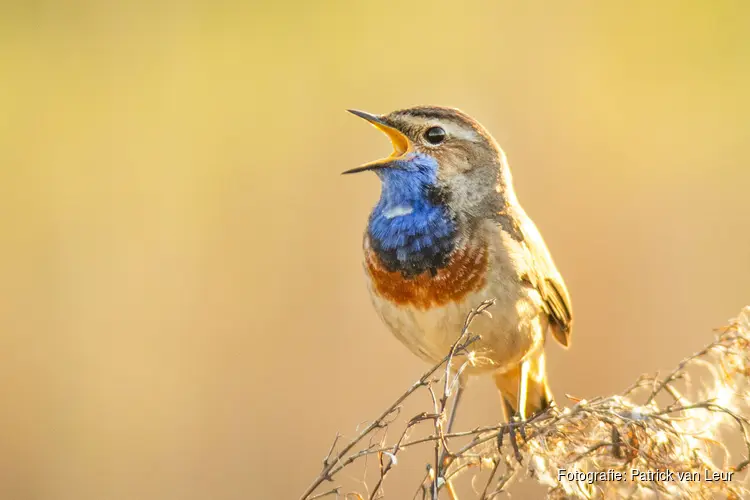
(521, 427)
(517, 424)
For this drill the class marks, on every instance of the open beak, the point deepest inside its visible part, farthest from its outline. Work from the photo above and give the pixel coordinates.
(401, 144)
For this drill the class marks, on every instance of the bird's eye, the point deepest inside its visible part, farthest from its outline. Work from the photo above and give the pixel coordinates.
(434, 135)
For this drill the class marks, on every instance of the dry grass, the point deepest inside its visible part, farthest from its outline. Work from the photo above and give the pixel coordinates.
(657, 434)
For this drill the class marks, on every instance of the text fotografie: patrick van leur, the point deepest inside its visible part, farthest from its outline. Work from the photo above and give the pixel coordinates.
(645, 476)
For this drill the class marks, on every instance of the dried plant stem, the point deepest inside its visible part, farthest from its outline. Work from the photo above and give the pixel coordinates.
(614, 434)
(332, 466)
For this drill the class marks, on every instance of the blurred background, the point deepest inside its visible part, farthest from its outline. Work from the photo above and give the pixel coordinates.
(183, 313)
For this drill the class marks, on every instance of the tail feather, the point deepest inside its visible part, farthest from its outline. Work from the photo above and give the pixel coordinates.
(524, 389)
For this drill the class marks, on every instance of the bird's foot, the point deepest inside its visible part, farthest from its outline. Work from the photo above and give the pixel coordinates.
(516, 425)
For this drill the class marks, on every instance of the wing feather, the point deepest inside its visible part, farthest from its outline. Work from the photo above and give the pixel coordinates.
(541, 273)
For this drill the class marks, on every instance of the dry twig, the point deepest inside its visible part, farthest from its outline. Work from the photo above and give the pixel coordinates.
(661, 437)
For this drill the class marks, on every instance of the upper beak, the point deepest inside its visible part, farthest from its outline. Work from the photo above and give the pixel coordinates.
(401, 144)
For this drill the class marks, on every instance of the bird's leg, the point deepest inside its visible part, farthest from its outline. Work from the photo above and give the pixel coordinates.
(523, 389)
(518, 419)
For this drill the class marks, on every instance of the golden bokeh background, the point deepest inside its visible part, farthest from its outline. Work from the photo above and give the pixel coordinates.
(183, 313)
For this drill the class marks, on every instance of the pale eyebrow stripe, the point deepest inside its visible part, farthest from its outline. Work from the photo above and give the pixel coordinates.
(460, 132)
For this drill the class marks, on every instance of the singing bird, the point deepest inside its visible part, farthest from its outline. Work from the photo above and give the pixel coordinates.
(447, 233)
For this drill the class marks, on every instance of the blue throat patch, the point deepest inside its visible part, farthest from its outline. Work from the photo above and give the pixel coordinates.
(411, 228)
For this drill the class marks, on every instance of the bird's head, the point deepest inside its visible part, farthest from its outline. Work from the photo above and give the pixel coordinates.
(440, 154)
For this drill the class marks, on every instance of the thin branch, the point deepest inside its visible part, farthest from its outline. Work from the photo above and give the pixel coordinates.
(328, 468)
(630, 430)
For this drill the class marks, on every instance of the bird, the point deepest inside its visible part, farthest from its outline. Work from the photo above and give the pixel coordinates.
(447, 233)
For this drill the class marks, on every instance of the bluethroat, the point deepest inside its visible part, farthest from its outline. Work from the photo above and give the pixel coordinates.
(447, 233)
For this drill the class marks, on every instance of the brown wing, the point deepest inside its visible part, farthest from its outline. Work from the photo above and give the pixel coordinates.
(542, 273)
(556, 298)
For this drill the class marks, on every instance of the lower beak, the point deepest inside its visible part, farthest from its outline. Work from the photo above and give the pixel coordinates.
(401, 143)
